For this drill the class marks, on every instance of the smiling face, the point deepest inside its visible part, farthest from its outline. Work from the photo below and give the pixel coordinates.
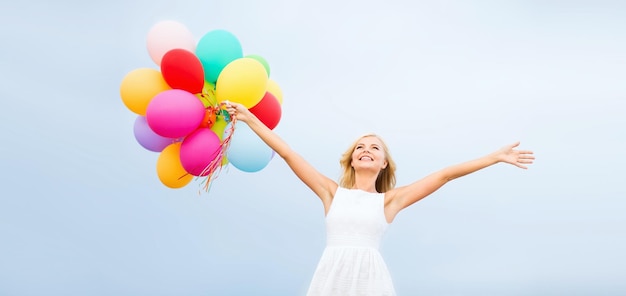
(369, 153)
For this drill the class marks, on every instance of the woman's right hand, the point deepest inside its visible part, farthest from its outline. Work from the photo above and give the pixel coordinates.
(238, 111)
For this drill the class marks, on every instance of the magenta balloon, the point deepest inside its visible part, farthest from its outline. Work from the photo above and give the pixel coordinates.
(147, 138)
(174, 113)
(198, 150)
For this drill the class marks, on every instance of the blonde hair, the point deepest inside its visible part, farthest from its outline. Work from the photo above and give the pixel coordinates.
(386, 177)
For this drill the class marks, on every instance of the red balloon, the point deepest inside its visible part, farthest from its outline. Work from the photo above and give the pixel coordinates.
(268, 110)
(181, 69)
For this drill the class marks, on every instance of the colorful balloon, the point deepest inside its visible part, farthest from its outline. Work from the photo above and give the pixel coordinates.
(268, 110)
(247, 152)
(208, 95)
(216, 49)
(149, 139)
(169, 168)
(219, 126)
(209, 119)
(181, 69)
(174, 113)
(139, 87)
(167, 35)
(273, 88)
(243, 81)
(261, 60)
(198, 150)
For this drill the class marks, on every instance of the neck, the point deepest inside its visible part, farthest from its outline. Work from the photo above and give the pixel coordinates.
(365, 181)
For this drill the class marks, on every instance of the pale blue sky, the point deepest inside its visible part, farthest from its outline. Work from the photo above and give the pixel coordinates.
(83, 212)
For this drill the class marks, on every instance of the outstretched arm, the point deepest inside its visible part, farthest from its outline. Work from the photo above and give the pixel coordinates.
(403, 197)
(323, 186)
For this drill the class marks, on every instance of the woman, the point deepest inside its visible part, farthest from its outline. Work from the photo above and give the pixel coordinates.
(359, 208)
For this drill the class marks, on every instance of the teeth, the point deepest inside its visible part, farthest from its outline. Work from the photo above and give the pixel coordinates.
(366, 157)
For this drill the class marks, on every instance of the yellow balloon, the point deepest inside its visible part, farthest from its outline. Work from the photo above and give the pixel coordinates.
(139, 87)
(243, 80)
(169, 168)
(274, 89)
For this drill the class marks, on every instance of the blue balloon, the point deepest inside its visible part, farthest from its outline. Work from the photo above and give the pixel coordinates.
(247, 152)
(215, 50)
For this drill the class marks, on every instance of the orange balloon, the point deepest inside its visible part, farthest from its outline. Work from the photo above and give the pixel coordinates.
(139, 87)
(169, 168)
(209, 117)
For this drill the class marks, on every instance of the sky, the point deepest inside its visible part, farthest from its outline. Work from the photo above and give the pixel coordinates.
(82, 211)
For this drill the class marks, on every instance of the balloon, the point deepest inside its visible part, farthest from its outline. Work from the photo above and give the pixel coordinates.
(170, 170)
(149, 139)
(261, 60)
(208, 95)
(273, 88)
(181, 69)
(247, 152)
(216, 49)
(243, 81)
(219, 126)
(167, 35)
(209, 118)
(139, 87)
(268, 110)
(174, 113)
(198, 150)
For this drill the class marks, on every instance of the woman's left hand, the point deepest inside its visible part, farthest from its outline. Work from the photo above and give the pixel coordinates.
(238, 111)
(519, 158)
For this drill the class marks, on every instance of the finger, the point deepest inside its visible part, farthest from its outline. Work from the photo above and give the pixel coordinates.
(521, 166)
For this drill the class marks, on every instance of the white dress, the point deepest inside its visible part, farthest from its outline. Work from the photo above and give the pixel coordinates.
(351, 264)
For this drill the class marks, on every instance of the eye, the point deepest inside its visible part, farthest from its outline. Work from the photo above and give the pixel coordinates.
(376, 147)
(358, 147)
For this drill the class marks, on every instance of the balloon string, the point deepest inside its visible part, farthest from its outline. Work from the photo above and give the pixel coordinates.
(208, 95)
(214, 168)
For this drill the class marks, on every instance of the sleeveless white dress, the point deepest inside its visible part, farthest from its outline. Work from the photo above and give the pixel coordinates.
(351, 264)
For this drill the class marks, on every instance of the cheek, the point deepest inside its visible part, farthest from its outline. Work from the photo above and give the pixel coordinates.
(354, 155)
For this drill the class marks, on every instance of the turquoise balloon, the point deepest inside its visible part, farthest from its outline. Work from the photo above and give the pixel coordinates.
(247, 152)
(215, 50)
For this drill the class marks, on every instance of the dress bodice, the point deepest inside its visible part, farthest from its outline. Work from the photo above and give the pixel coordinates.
(356, 218)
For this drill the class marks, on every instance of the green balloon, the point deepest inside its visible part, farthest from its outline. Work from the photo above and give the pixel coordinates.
(262, 61)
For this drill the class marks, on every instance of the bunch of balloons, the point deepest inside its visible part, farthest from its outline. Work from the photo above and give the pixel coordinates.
(178, 105)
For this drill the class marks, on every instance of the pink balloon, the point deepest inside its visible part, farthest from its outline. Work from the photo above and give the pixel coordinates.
(174, 113)
(147, 138)
(198, 150)
(167, 35)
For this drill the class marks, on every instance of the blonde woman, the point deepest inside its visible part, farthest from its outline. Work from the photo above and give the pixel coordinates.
(361, 206)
